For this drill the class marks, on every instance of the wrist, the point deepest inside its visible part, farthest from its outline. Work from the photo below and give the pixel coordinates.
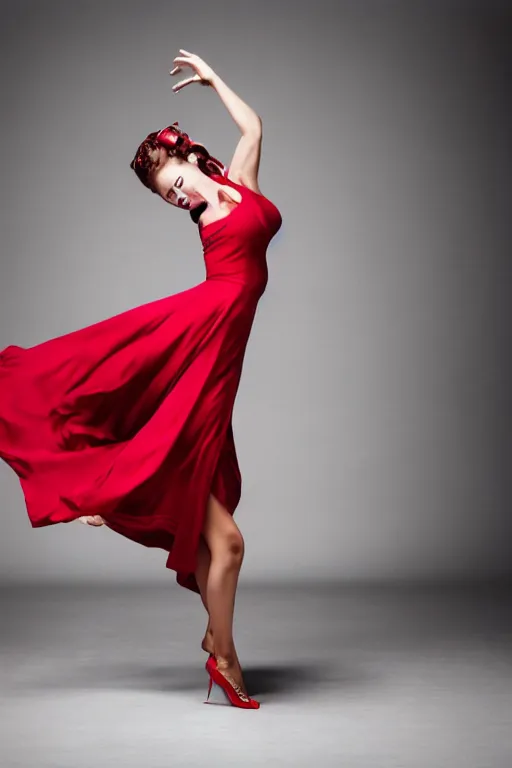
(215, 80)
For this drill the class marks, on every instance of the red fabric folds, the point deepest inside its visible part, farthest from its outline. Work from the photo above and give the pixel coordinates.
(131, 418)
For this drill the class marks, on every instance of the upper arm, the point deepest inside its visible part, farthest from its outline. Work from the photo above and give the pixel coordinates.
(245, 162)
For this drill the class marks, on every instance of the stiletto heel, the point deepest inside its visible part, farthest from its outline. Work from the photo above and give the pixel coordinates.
(216, 695)
(232, 692)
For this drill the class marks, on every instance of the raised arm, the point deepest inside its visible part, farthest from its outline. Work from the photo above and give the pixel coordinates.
(244, 165)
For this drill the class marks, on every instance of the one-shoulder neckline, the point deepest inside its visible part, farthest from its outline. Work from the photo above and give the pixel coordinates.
(241, 189)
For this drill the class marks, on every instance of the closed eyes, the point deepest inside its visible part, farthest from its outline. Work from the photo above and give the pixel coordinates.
(178, 183)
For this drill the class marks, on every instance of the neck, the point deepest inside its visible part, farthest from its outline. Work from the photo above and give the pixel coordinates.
(211, 192)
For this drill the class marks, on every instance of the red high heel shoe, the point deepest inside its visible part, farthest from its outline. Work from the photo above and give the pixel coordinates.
(231, 690)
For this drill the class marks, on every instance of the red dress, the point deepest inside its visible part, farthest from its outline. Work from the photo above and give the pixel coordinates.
(131, 418)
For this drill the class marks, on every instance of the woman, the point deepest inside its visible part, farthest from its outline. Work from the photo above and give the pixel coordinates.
(128, 422)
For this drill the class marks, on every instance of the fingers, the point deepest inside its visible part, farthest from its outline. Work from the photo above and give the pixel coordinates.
(179, 67)
(189, 59)
(183, 83)
(184, 63)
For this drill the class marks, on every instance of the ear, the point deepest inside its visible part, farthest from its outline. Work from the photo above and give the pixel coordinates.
(192, 158)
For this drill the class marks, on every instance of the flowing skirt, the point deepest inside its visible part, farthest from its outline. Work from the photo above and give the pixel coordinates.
(131, 419)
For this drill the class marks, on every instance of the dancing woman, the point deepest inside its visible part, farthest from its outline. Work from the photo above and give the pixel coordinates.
(128, 422)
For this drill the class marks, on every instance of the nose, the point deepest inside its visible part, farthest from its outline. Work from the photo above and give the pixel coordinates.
(181, 197)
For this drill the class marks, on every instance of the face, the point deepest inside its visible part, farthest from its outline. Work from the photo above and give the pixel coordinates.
(174, 182)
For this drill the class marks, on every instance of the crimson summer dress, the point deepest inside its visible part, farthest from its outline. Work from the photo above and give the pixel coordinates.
(131, 418)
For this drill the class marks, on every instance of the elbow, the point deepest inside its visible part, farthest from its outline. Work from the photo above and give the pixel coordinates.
(254, 128)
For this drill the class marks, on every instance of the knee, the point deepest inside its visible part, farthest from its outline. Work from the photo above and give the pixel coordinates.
(233, 549)
(222, 535)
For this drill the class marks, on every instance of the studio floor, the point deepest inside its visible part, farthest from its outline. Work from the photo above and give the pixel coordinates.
(347, 676)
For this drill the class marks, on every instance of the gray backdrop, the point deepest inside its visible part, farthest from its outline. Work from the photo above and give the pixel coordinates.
(372, 420)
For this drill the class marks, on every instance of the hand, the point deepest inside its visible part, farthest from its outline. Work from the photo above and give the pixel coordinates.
(204, 73)
(94, 520)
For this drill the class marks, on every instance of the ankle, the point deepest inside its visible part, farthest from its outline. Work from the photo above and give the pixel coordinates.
(226, 660)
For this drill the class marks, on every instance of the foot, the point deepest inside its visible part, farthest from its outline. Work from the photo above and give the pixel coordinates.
(95, 520)
(232, 671)
(232, 667)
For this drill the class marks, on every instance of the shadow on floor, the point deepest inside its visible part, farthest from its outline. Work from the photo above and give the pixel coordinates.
(258, 679)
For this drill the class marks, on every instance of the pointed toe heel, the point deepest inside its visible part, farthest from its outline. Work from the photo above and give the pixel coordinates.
(224, 691)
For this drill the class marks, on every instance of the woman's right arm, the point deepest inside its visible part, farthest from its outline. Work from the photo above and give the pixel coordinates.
(244, 165)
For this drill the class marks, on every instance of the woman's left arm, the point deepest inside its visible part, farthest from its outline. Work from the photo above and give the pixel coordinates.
(245, 162)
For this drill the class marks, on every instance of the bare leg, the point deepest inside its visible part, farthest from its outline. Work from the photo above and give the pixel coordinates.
(201, 574)
(226, 546)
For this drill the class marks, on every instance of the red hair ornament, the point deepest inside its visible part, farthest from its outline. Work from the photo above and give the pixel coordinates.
(181, 144)
(178, 144)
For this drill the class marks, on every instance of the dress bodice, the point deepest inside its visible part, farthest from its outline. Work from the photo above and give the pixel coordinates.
(235, 246)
